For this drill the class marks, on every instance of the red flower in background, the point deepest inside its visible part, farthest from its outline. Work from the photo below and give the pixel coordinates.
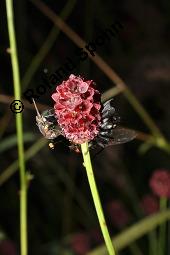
(150, 204)
(7, 247)
(96, 235)
(80, 243)
(118, 214)
(77, 107)
(160, 183)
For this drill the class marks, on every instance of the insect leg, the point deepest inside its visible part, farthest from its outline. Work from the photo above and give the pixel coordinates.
(108, 113)
(107, 125)
(53, 142)
(105, 132)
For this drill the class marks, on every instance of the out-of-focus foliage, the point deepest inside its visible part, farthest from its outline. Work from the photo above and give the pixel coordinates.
(61, 216)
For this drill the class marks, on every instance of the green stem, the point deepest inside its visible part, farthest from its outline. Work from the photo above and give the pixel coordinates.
(160, 140)
(111, 93)
(152, 242)
(142, 112)
(12, 168)
(96, 198)
(19, 128)
(162, 232)
(134, 249)
(134, 232)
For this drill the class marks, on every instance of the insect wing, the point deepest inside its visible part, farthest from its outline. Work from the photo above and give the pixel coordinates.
(48, 112)
(108, 109)
(49, 115)
(121, 135)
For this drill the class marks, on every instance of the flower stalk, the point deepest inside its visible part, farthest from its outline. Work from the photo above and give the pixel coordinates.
(19, 128)
(162, 230)
(96, 198)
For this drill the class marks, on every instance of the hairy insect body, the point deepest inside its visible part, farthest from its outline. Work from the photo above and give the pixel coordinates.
(47, 124)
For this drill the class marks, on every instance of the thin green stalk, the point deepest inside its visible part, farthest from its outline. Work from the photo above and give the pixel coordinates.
(96, 198)
(160, 140)
(135, 250)
(152, 242)
(111, 93)
(142, 112)
(134, 232)
(12, 168)
(19, 128)
(162, 232)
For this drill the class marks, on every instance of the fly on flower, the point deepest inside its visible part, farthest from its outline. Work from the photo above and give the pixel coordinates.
(110, 132)
(47, 124)
(80, 117)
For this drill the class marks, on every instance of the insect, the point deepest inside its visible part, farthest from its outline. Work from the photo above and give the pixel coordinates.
(47, 124)
(110, 132)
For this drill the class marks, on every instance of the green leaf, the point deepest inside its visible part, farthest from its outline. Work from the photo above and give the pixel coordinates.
(11, 141)
(134, 232)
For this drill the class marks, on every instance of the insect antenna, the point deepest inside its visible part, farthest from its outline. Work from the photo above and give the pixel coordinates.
(38, 113)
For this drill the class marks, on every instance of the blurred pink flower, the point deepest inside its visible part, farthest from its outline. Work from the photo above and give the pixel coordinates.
(160, 183)
(118, 214)
(80, 243)
(149, 204)
(96, 235)
(77, 108)
(7, 247)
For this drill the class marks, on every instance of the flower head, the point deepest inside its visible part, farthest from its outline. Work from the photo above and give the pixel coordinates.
(80, 243)
(160, 183)
(96, 236)
(77, 108)
(149, 204)
(118, 214)
(7, 247)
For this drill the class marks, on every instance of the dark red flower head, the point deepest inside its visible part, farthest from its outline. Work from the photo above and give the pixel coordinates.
(118, 214)
(150, 204)
(77, 107)
(80, 243)
(7, 247)
(160, 183)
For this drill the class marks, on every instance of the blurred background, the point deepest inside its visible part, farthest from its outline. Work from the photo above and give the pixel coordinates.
(61, 215)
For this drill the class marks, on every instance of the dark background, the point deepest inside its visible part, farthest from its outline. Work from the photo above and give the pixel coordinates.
(59, 201)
